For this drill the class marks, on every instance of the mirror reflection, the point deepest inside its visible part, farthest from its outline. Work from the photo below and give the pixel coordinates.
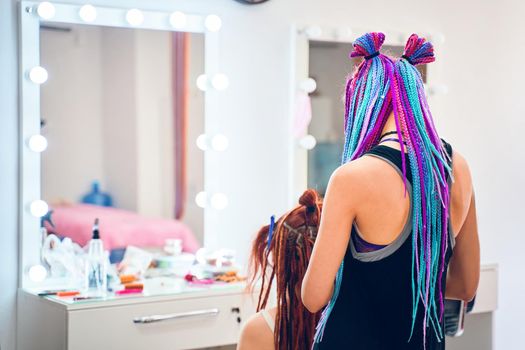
(328, 64)
(121, 111)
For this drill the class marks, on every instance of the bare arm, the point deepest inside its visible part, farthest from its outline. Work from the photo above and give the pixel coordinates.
(332, 239)
(463, 271)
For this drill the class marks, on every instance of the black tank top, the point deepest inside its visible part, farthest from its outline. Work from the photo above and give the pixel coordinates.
(374, 307)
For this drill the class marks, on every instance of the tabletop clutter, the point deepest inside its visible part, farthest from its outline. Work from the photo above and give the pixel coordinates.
(142, 270)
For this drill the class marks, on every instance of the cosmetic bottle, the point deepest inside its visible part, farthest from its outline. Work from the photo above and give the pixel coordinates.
(96, 269)
(97, 197)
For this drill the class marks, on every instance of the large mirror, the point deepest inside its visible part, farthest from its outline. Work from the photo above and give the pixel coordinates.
(118, 121)
(121, 112)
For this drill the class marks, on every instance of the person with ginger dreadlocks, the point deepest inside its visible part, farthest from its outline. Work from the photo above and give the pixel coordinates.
(280, 254)
(397, 236)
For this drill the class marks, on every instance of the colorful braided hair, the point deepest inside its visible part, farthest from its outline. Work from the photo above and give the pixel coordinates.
(282, 254)
(368, 104)
(429, 163)
(378, 87)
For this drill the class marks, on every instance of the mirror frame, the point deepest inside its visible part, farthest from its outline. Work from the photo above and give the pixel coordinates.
(301, 37)
(29, 104)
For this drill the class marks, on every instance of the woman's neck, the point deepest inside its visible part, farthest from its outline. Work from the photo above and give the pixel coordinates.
(390, 126)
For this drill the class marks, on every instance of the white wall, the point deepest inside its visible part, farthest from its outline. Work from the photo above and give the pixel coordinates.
(482, 115)
(9, 174)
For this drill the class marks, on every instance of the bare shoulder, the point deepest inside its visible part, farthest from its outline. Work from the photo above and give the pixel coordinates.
(256, 334)
(358, 175)
(357, 170)
(461, 190)
(462, 185)
(460, 169)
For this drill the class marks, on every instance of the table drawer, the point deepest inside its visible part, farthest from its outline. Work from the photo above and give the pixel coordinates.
(168, 325)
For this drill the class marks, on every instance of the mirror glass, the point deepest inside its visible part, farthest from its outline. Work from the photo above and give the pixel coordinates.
(329, 65)
(121, 111)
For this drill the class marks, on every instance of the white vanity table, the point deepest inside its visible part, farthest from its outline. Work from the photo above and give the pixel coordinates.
(186, 318)
(195, 317)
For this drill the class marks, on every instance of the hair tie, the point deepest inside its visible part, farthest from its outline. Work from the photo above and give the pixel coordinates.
(407, 58)
(375, 54)
(310, 209)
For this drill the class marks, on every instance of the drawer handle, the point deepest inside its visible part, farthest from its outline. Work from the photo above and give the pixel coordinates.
(160, 318)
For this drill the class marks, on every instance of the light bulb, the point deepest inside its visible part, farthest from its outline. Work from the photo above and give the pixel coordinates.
(38, 75)
(201, 199)
(309, 85)
(308, 142)
(344, 32)
(437, 89)
(38, 208)
(37, 273)
(45, 10)
(219, 201)
(220, 81)
(219, 142)
(437, 38)
(37, 143)
(202, 142)
(178, 20)
(134, 17)
(313, 31)
(88, 13)
(202, 82)
(213, 23)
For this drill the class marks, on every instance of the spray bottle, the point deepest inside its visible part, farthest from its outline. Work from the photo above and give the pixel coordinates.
(96, 280)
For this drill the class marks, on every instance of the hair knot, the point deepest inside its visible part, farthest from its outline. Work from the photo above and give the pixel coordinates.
(368, 45)
(418, 51)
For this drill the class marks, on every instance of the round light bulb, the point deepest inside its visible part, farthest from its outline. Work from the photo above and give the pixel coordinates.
(313, 31)
(202, 142)
(37, 143)
(178, 20)
(308, 142)
(201, 199)
(213, 23)
(345, 32)
(437, 89)
(309, 85)
(438, 38)
(38, 75)
(45, 10)
(219, 201)
(219, 143)
(38, 208)
(134, 17)
(220, 81)
(88, 13)
(202, 82)
(37, 273)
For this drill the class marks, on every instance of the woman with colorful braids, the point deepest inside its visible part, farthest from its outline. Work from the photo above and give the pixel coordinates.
(280, 253)
(396, 235)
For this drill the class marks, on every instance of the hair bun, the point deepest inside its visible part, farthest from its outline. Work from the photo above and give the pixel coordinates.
(418, 51)
(367, 45)
(309, 199)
